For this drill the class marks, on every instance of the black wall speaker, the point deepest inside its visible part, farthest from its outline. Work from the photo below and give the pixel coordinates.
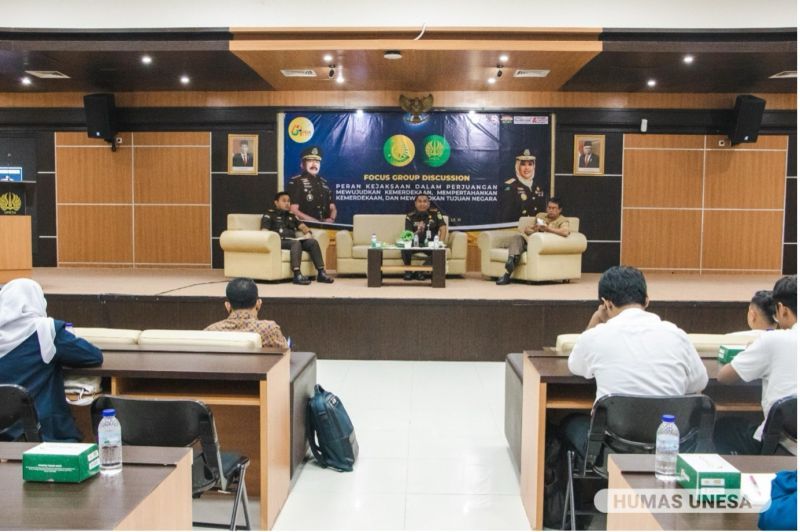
(747, 116)
(101, 116)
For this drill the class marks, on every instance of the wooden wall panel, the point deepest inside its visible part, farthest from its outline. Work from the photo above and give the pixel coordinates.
(661, 238)
(736, 240)
(172, 175)
(94, 233)
(173, 235)
(745, 179)
(695, 142)
(663, 178)
(93, 175)
(75, 138)
(764, 142)
(172, 138)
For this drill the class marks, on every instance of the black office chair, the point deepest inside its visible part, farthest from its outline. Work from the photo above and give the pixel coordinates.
(780, 428)
(182, 423)
(17, 410)
(628, 424)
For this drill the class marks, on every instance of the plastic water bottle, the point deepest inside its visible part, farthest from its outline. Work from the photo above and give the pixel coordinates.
(109, 439)
(436, 241)
(373, 242)
(667, 442)
(68, 328)
(428, 236)
(416, 240)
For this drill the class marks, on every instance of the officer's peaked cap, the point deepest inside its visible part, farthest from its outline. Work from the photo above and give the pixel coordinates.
(312, 152)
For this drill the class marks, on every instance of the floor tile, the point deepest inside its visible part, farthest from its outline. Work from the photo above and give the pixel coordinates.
(465, 512)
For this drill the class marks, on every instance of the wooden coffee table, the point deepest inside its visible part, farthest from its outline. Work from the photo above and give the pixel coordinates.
(376, 268)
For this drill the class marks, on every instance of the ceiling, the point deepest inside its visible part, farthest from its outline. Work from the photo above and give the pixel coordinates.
(444, 60)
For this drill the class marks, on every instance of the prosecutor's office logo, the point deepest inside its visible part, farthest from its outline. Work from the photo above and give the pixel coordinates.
(10, 203)
(437, 150)
(398, 150)
(301, 129)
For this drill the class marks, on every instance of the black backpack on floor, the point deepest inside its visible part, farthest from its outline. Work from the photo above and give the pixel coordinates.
(330, 432)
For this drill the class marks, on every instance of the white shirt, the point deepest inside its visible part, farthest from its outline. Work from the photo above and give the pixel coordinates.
(773, 359)
(637, 353)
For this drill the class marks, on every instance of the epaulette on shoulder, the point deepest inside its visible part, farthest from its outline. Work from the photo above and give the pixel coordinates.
(510, 181)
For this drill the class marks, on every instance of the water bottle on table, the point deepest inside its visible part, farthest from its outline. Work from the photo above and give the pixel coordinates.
(109, 439)
(373, 242)
(668, 439)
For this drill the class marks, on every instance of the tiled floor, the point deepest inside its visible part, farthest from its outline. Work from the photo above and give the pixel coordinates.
(432, 453)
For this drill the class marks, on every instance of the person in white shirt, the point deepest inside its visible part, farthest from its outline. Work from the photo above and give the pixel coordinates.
(773, 359)
(628, 350)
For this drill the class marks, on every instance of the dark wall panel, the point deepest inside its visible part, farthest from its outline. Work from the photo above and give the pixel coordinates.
(239, 194)
(790, 259)
(791, 162)
(790, 212)
(46, 253)
(600, 256)
(45, 204)
(596, 200)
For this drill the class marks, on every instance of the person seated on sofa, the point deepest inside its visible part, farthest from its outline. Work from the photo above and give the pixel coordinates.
(33, 349)
(628, 350)
(771, 358)
(242, 303)
(761, 312)
(420, 221)
(550, 222)
(286, 224)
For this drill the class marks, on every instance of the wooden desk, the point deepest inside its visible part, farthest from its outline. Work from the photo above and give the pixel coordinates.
(16, 255)
(636, 471)
(248, 392)
(153, 492)
(547, 384)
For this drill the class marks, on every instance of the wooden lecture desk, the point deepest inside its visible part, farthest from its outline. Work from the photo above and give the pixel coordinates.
(547, 384)
(248, 392)
(636, 471)
(152, 492)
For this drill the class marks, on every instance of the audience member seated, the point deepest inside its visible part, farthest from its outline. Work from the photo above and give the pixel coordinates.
(243, 305)
(33, 349)
(773, 359)
(761, 312)
(628, 350)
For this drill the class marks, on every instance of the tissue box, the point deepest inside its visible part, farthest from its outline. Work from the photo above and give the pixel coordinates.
(707, 476)
(728, 352)
(60, 462)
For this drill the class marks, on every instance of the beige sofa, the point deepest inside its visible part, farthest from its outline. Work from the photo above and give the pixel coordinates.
(705, 344)
(548, 258)
(351, 247)
(251, 252)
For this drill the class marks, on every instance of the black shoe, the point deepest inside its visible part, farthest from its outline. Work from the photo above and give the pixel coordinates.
(300, 279)
(323, 277)
(503, 279)
(408, 276)
(511, 263)
(420, 276)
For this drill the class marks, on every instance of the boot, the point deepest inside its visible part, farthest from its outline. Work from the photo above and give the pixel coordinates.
(323, 277)
(300, 279)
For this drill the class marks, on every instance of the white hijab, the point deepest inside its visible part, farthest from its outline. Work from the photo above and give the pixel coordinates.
(23, 311)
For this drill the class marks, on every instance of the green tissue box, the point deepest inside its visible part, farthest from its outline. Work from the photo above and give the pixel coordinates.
(707, 476)
(60, 462)
(728, 352)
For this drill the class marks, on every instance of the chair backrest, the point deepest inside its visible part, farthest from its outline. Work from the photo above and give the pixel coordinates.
(387, 227)
(244, 222)
(780, 428)
(628, 423)
(17, 409)
(166, 423)
(574, 223)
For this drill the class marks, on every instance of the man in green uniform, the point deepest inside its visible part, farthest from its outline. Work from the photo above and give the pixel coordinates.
(519, 196)
(552, 222)
(312, 198)
(287, 225)
(426, 224)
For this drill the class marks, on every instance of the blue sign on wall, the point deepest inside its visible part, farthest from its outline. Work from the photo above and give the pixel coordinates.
(10, 173)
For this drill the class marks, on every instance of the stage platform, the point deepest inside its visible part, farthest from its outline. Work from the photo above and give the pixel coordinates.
(470, 319)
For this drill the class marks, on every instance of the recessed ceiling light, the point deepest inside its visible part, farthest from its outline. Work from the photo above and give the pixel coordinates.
(26, 81)
(327, 58)
(340, 78)
(472, 112)
(503, 58)
(146, 59)
(688, 59)
(651, 83)
(359, 112)
(491, 81)
(185, 80)
(392, 55)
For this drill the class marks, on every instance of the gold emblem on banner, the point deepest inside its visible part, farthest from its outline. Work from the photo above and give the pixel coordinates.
(10, 203)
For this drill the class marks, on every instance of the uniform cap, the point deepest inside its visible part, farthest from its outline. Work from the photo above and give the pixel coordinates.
(526, 156)
(313, 153)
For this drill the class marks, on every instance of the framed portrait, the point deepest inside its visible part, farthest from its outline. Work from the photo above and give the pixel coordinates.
(242, 153)
(590, 154)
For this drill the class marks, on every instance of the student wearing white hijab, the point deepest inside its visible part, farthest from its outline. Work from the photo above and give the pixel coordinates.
(33, 349)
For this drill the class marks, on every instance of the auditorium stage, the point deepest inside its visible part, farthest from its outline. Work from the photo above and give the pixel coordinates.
(470, 319)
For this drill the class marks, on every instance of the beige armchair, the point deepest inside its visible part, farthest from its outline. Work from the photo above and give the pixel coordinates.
(549, 257)
(351, 247)
(251, 252)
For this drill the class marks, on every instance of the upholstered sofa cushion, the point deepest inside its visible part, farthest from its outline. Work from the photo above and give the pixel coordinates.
(157, 337)
(108, 336)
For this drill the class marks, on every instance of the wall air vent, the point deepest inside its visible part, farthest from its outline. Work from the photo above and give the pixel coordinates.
(299, 73)
(530, 73)
(47, 74)
(784, 74)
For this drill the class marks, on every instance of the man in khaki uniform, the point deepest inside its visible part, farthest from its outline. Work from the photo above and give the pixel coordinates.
(550, 222)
